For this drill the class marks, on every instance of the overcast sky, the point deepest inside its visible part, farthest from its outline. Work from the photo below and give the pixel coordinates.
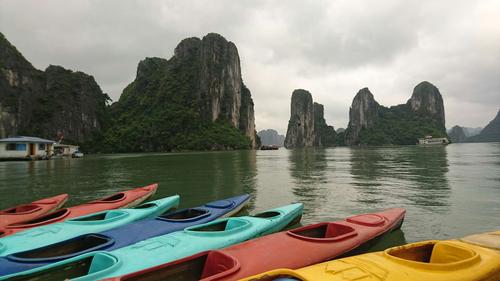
(331, 48)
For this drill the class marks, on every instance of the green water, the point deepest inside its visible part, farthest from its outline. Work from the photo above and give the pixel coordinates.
(448, 191)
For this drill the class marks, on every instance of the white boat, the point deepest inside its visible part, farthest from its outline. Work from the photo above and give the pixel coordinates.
(77, 154)
(429, 140)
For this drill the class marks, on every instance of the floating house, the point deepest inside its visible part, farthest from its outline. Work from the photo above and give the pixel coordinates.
(429, 140)
(25, 148)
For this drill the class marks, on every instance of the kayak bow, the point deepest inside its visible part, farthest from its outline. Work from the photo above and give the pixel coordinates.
(124, 199)
(33, 210)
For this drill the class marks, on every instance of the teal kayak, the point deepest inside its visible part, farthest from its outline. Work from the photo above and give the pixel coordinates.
(52, 233)
(161, 249)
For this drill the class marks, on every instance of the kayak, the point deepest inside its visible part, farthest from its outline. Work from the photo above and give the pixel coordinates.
(489, 240)
(297, 248)
(154, 251)
(48, 234)
(450, 260)
(121, 236)
(124, 199)
(33, 210)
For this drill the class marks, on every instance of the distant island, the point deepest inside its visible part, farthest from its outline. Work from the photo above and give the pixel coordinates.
(271, 137)
(196, 100)
(490, 133)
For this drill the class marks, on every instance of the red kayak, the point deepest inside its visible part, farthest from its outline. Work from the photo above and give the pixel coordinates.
(33, 210)
(292, 249)
(124, 199)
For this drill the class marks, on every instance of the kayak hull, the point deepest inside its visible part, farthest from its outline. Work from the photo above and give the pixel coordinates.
(154, 251)
(301, 247)
(124, 199)
(450, 260)
(124, 235)
(33, 210)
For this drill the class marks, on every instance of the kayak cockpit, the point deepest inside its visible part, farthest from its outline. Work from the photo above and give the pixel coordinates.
(267, 215)
(54, 216)
(220, 227)
(99, 218)
(433, 254)
(21, 210)
(110, 199)
(87, 265)
(204, 265)
(64, 250)
(185, 215)
(323, 232)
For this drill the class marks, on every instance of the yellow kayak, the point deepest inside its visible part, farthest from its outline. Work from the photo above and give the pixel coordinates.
(489, 240)
(450, 260)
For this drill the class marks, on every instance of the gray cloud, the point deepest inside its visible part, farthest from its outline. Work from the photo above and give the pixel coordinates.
(331, 48)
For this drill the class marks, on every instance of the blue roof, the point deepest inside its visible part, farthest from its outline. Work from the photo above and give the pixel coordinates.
(26, 139)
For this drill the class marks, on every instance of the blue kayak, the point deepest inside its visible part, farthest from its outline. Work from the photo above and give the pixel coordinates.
(158, 250)
(52, 233)
(122, 236)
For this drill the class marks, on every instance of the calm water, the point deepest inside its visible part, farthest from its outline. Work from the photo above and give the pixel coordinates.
(448, 191)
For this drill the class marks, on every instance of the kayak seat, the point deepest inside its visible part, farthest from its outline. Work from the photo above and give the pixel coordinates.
(432, 252)
(367, 220)
(101, 262)
(21, 209)
(186, 214)
(44, 219)
(65, 249)
(113, 198)
(267, 215)
(218, 263)
(324, 231)
(196, 267)
(220, 226)
(67, 271)
(101, 217)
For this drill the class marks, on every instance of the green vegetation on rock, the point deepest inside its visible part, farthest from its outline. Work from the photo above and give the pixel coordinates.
(400, 125)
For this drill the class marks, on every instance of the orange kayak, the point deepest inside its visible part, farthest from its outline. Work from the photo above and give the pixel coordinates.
(33, 210)
(124, 199)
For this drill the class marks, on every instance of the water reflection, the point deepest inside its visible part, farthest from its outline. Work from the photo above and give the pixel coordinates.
(308, 170)
(415, 174)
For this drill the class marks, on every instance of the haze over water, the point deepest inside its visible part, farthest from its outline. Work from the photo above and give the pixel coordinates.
(448, 191)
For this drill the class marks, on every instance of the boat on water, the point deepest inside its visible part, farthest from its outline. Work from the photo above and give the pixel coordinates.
(124, 199)
(450, 260)
(297, 248)
(33, 210)
(77, 154)
(154, 251)
(49, 234)
(122, 236)
(429, 140)
(269, 147)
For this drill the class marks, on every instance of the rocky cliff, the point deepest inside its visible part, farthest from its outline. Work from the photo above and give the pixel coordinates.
(194, 100)
(490, 133)
(271, 137)
(363, 114)
(324, 134)
(50, 103)
(373, 124)
(427, 101)
(457, 134)
(307, 126)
